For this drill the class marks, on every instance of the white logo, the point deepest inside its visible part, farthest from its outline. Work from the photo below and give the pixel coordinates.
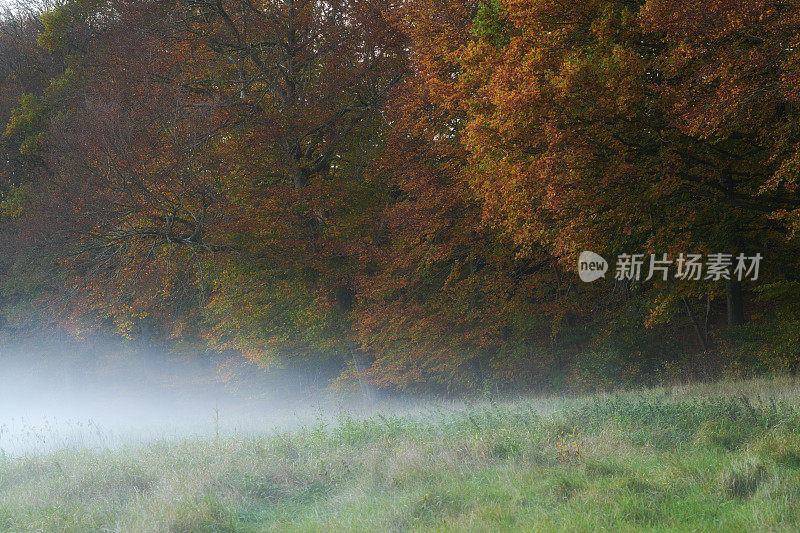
(591, 266)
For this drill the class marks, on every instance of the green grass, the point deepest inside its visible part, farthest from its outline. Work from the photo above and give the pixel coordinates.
(721, 457)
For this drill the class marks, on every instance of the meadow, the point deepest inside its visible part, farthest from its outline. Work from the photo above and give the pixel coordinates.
(703, 457)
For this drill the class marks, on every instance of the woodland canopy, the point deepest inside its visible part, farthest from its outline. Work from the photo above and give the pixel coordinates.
(399, 190)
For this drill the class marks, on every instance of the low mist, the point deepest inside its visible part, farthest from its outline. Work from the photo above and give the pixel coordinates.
(58, 394)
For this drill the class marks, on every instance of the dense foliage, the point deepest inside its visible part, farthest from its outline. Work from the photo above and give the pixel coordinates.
(401, 191)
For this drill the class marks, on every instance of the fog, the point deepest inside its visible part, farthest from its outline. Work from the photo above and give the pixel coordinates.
(57, 394)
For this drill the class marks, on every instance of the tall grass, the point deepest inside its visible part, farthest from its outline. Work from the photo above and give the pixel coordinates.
(708, 457)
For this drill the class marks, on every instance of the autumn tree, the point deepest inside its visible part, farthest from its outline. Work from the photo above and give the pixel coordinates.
(213, 157)
(450, 303)
(600, 126)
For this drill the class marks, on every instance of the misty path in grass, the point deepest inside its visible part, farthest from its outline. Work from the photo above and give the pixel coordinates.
(723, 456)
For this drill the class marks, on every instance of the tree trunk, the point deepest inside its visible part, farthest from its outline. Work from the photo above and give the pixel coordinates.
(735, 303)
(344, 296)
(477, 369)
(360, 365)
(698, 329)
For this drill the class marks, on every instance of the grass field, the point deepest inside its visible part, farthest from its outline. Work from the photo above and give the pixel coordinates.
(722, 456)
